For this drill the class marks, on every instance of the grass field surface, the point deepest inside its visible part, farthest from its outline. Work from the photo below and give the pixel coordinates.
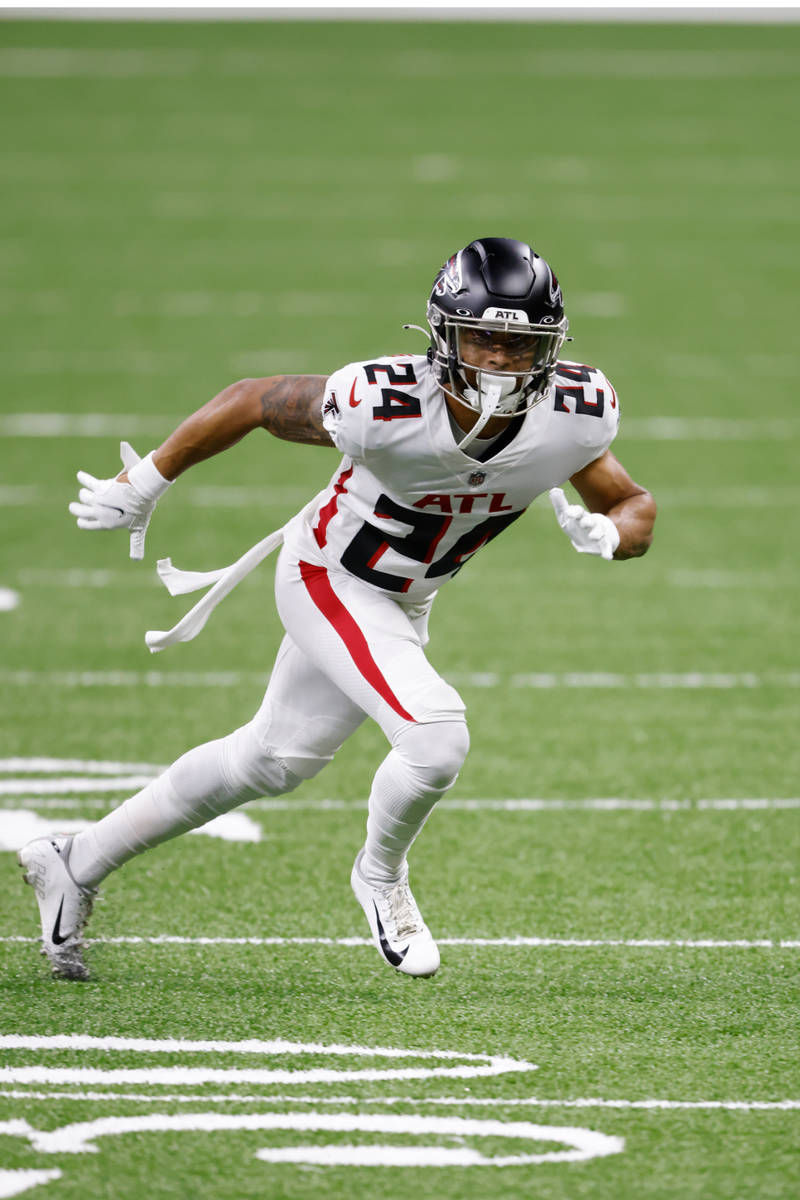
(614, 877)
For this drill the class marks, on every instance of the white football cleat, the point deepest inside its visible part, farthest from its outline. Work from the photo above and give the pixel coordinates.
(64, 906)
(398, 930)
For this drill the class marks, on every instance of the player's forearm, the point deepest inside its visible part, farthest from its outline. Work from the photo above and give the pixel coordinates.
(219, 424)
(634, 517)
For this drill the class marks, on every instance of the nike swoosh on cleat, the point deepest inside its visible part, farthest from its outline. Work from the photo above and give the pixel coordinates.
(395, 957)
(57, 939)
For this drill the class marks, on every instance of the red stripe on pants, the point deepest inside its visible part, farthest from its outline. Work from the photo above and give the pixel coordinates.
(319, 589)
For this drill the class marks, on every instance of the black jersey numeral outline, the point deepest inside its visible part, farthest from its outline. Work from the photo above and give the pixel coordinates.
(583, 406)
(420, 543)
(394, 404)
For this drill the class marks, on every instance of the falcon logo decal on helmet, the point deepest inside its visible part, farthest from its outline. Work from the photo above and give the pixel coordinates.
(555, 289)
(449, 278)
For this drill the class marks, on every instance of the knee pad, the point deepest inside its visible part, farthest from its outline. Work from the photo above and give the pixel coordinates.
(434, 750)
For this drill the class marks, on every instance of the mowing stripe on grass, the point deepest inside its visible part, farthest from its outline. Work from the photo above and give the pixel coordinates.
(481, 942)
(45, 62)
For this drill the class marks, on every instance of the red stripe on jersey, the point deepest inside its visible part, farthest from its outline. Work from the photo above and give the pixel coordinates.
(329, 510)
(321, 592)
(446, 522)
(384, 546)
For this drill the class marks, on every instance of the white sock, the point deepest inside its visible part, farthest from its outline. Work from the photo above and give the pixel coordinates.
(202, 784)
(417, 771)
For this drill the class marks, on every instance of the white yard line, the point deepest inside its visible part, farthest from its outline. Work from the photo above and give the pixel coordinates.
(91, 766)
(536, 681)
(654, 1105)
(15, 1182)
(109, 424)
(583, 1144)
(253, 496)
(213, 497)
(44, 787)
(132, 679)
(66, 803)
(79, 577)
(526, 804)
(21, 495)
(87, 1042)
(514, 943)
(9, 599)
(708, 429)
(20, 826)
(85, 425)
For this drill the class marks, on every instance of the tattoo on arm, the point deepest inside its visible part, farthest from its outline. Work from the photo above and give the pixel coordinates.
(291, 408)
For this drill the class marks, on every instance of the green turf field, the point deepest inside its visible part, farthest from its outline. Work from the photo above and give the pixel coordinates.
(184, 205)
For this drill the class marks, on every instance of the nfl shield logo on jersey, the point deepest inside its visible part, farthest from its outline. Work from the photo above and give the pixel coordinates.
(476, 478)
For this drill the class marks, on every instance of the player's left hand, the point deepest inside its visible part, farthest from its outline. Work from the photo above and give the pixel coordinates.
(589, 532)
(118, 504)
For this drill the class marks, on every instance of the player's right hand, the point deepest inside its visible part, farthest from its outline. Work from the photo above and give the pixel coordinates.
(589, 532)
(114, 504)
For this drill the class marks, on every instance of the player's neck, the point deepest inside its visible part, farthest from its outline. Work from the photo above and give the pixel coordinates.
(475, 447)
(463, 419)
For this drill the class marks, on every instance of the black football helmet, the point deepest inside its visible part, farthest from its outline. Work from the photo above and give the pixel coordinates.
(497, 285)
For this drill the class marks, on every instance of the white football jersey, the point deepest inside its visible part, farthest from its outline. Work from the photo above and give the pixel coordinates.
(406, 508)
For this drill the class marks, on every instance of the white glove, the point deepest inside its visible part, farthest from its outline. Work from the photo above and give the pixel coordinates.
(590, 533)
(109, 504)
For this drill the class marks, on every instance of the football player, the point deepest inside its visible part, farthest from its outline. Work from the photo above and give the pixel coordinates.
(440, 453)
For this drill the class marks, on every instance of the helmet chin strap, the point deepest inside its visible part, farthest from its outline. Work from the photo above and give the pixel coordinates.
(492, 390)
(492, 395)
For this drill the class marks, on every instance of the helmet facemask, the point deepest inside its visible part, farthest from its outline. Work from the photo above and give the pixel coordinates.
(530, 351)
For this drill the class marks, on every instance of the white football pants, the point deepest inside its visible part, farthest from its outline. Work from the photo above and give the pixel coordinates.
(349, 652)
